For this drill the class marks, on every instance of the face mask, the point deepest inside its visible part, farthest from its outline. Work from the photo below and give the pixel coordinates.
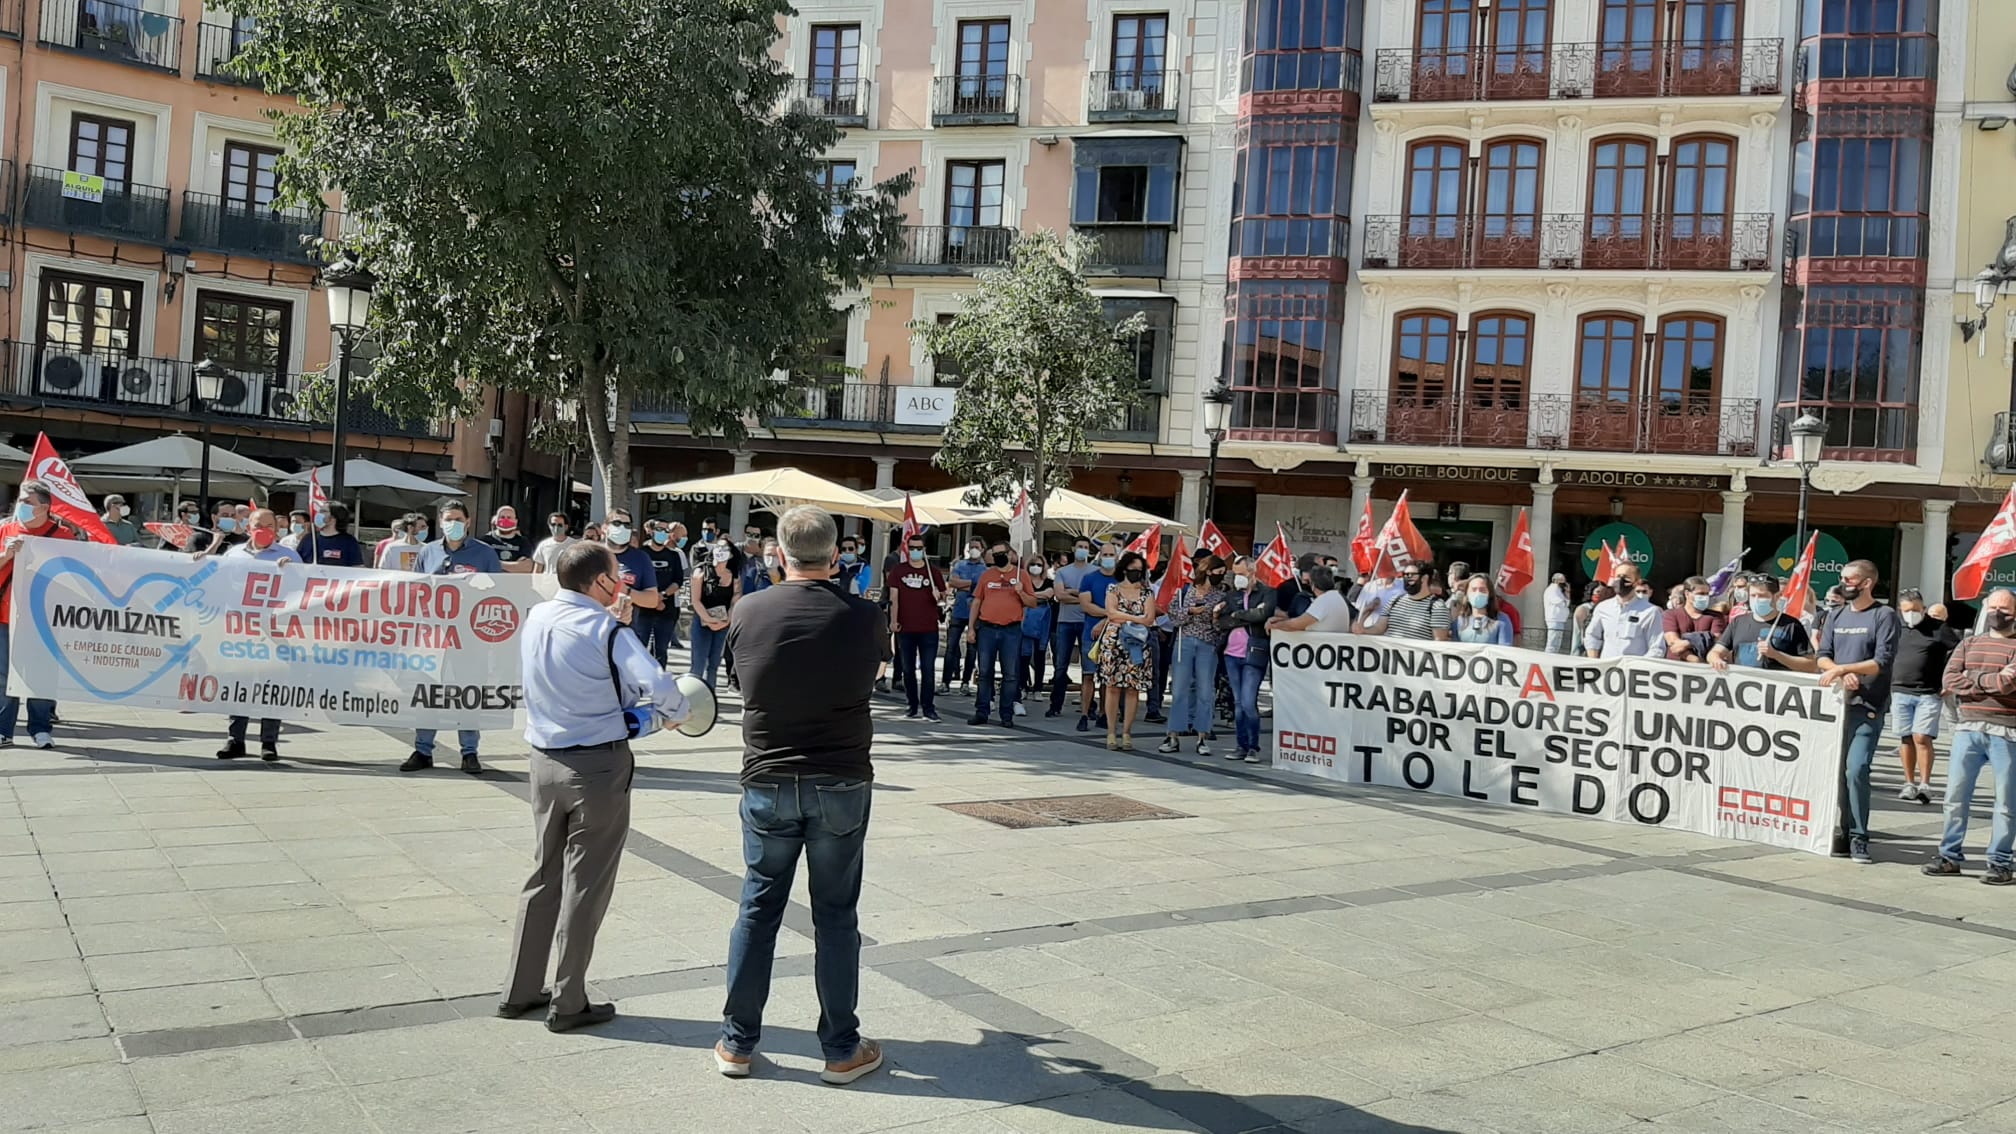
(558, 530)
(1000, 559)
(849, 558)
(2000, 619)
(321, 519)
(682, 541)
(24, 513)
(1416, 586)
(119, 510)
(916, 556)
(1217, 578)
(226, 524)
(1035, 570)
(661, 538)
(1698, 602)
(618, 534)
(1762, 607)
(1134, 574)
(1106, 562)
(1082, 555)
(507, 525)
(1241, 582)
(454, 530)
(262, 538)
(972, 553)
(722, 554)
(1850, 592)
(419, 535)
(297, 528)
(1913, 617)
(187, 517)
(1479, 601)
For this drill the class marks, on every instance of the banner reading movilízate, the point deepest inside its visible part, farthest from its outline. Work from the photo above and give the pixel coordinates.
(232, 634)
(1740, 755)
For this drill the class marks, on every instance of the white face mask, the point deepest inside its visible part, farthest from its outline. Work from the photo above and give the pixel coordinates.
(1242, 582)
(1913, 617)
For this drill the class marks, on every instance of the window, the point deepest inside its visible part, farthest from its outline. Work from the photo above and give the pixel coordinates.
(1279, 363)
(1139, 46)
(1690, 362)
(1864, 17)
(983, 57)
(1627, 56)
(1300, 45)
(251, 175)
(1424, 354)
(1501, 351)
(84, 314)
(973, 193)
(245, 335)
(1151, 347)
(102, 147)
(1123, 194)
(1435, 179)
(1697, 204)
(1125, 180)
(1854, 362)
(1608, 369)
(944, 368)
(1855, 176)
(1508, 233)
(1620, 179)
(836, 180)
(1518, 66)
(836, 68)
(1710, 21)
(1289, 196)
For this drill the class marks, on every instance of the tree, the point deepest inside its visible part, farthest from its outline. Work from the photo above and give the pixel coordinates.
(583, 199)
(1042, 369)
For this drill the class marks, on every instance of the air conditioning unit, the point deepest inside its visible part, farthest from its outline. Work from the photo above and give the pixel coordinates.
(63, 374)
(2001, 454)
(144, 381)
(242, 393)
(282, 402)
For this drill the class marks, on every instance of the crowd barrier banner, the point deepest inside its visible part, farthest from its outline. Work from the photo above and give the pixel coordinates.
(231, 634)
(1739, 755)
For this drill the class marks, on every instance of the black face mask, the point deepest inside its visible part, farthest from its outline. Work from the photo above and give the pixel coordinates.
(1134, 574)
(2000, 619)
(1416, 585)
(1000, 559)
(1850, 591)
(1217, 578)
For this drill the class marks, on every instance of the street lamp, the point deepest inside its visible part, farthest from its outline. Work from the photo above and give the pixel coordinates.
(1217, 412)
(1807, 433)
(203, 393)
(349, 287)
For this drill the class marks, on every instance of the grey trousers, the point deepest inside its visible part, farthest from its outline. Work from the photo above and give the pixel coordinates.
(580, 818)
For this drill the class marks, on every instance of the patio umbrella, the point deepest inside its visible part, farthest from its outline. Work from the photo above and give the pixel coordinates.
(10, 458)
(1070, 511)
(381, 484)
(776, 490)
(173, 464)
(929, 515)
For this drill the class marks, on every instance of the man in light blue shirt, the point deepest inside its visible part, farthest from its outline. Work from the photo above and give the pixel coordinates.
(262, 543)
(457, 552)
(580, 672)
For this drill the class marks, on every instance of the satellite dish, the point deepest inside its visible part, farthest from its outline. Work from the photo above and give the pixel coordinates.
(700, 700)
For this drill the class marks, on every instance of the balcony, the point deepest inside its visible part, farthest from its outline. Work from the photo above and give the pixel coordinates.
(836, 405)
(844, 101)
(72, 202)
(657, 405)
(1132, 96)
(1142, 423)
(1569, 242)
(1675, 427)
(118, 32)
(1306, 415)
(1863, 432)
(160, 387)
(216, 46)
(976, 100)
(950, 250)
(1129, 251)
(1566, 71)
(271, 233)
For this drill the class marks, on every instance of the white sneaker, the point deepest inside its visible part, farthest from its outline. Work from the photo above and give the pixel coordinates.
(1020, 711)
(1925, 792)
(1910, 791)
(42, 740)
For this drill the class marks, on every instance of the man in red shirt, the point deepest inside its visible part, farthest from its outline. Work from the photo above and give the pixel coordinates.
(1000, 595)
(31, 518)
(916, 594)
(1693, 627)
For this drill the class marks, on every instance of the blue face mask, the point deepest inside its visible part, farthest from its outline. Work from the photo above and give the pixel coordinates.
(1106, 562)
(1082, 555)
(420, 535)
(916, 556)
(227, 523)
(297, 528)
(682, 541)
(661, 538)
(24, 513)
(848, 558)
(1479, 601)
(454, 530)
(1761, 607)
(1698, 602)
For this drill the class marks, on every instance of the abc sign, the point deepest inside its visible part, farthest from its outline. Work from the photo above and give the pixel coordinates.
(925, 405)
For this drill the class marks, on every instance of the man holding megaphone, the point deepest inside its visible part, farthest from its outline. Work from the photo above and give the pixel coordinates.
(590, 686)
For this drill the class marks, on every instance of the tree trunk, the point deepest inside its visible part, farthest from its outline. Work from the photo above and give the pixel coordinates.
(622, 485)
(605, 444)
(1039, 491)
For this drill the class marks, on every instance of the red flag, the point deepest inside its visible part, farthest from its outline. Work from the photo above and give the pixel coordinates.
(1401, 544)
(1998, 540)
(172, 534)
(67, 501)
(1177, 576)
(1621, 558)
(1516, 573)
(1276, 564)
(1606, 564)
(1149, 544)
(911, 528)
(1799, 591)
(318, 501)
(1210, 539)
(1365, 543)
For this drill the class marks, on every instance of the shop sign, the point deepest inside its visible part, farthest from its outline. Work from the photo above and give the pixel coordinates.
(1614, 478)
(1470, 474)
(1637, 547)
(925, 405)
(1828, 559)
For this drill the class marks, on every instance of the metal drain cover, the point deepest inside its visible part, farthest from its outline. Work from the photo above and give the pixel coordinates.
(1062, 811)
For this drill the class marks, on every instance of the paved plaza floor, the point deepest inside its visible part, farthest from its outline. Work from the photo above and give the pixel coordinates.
(314, 947)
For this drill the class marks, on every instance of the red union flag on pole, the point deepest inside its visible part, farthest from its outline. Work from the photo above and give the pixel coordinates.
(172, 534)
(1022, 524)
(1400, 543)
(1365, 542)
(911, 528)
(1998, 540)
(66, 500)
(1799, 591)
(1213, 541)
(1276, 564)
(318, 501)
(1177, 575)
(1516, 573)
(1149, 544)
(1606, 564)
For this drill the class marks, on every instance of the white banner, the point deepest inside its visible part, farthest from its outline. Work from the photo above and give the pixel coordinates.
(925, 405)
(159, 630)
(1743, 755)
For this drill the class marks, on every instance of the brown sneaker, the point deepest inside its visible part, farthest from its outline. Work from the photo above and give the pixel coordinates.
(730, 1064)
(867, 1057)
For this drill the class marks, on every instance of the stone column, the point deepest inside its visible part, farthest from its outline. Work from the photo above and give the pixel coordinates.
(1361, 495)
(738, 505)
(1932, 554)
(1711, 543)
(1732, 529)
(878, 538)
(1190, 502)
(1539, 529)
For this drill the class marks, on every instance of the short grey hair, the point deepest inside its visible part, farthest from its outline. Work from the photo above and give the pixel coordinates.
(37, 491)
(808, 536)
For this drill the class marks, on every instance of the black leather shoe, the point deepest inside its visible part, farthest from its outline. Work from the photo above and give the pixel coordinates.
(472, 765)
(269, 753)
(513, 1009)
(232, 750)
(592, 1015)
(977, 718)
(416, 763)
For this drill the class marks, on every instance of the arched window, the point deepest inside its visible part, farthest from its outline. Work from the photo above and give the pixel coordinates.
(1508, 205)
(1606, 415)
(1432, 236)
(1701, 183)
(1419, 408)
(1684, 406)
(1494, 391)
(1620, 189)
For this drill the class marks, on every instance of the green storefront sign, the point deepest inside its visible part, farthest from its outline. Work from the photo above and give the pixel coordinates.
(1637, 547)
(1828, 559)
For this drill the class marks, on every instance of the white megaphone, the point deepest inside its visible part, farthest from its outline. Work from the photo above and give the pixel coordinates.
(643, 720)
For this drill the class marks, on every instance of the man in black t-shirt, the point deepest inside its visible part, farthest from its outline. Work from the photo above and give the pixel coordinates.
(1922, 649)
(513, 550)
(806, 651)
(1758, 635)
(668, 562)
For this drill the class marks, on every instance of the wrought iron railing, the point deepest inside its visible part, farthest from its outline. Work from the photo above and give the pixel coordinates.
(843, 100)
(74, 202)
(837, 403)
(210, 221)
(119, 32)
(1142, 421)
(1579, 70)
(216, 46)
(1570, 241)
(1134, 251)
(1132, 96)
(1681, 426)
(940, 249)
(976, 100)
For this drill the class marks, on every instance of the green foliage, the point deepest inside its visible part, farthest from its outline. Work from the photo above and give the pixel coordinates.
(586, 199)
(1042, 369)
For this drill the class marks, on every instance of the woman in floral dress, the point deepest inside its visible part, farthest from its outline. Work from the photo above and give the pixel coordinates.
(1126, 666)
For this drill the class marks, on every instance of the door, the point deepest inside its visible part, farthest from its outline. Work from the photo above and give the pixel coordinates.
(1445, 63)
(982, 84)
(1431, 234)
(84, 329)
(1606, 374)
(1620, 187)
(1494, 392)
(1683, 411)
(1518, 66)
(1627, 51)
(1508, 220)
(836, 70)
(1139, 47)
(1697, 208)
(1707, 53)
(1419, 410)
(248, 337)
(973, 196)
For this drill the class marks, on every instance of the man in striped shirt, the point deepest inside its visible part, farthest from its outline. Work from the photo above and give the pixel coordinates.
(1416, 616)
(1982, 675)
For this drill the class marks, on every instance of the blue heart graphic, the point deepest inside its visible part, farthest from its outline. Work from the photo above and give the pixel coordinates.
(180, 586)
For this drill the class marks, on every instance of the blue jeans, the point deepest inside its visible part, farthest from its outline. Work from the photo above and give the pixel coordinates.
(1858, 752)
(1970, 751)
(827, 818)
(40, 709)
(423, 741)
(1162, 641)
(917, 657)
(659, 629)
(955, 641)
(999, 647)
(1246, 674)
(1195, 666)
(705, 663)
(1066, 643)
(1032, 662)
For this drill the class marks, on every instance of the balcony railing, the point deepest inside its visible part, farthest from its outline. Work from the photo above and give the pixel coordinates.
(72, 202)
(1132, 96)
(1578, 71)
(1570, 241)
(212, 222)
(1133, 251)
(1141, 422)
(837, 404)
(217, 45)
(976, 100)
(114, 382)
(938, 249)
(1673, 426)
(1284, 413)
(845, 101)
(1866, 431)
(118, 32)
